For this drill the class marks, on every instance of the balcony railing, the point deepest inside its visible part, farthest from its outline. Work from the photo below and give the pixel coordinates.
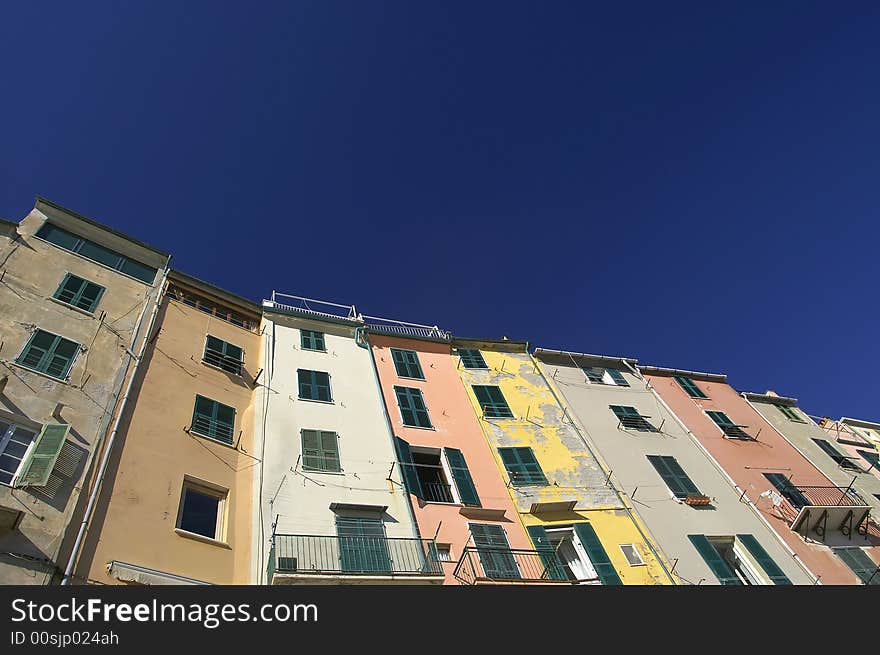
(313, 555)
(482, 565)
(404, 329)
(437, 492)
(221, 361)
(311, 307)
(818, 509)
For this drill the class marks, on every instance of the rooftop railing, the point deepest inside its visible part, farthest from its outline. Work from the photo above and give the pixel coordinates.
(311, 307)
(404, 329)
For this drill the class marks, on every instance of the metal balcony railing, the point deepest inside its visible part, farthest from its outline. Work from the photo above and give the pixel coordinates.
(404, 329)
(357, 556)
(496, 410)
(437, 492)
(736, 432)
(483, 564)
(311, 307)
(221, 361)
(820, 508)
(210, 427)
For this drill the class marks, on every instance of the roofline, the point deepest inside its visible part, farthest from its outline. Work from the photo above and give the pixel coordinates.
(508, 342)
(859, 423)
(773, 400)
(185, 278)
(297, 313)
(599, 358)
(379, 332)
(6, 223)
(709, 377)
(91, 221)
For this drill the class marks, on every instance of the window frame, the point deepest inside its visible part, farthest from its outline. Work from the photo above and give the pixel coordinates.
(789, 413)
(217, 405)
(314, 384)
(47, 356)
(411, 408)
(312, 337)
(223, 356)
(203, 488)
(7, 436)
(701, 394)
(678, 476)
(736, 429)
(634, 551)
(643, 421)
(78, 295)
(302, 444)
(523, 465)
(398, 362)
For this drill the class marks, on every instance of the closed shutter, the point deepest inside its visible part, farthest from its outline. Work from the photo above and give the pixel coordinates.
(522, 467)
(462, 476)
(859, 563)
(673, 475)
(38, 468)
(770, 567)
(552, 566)
(413, 411)
(496, 558)
(406, 362)
(363, 547)
(713, 559)
(410, 475)
(492, 402)
(787, 489)
(596, 552)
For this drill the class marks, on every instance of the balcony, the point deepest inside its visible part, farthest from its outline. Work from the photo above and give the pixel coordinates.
(222, 361)
(312, 559)
(816, 510)
(437, 492)
(486, 565)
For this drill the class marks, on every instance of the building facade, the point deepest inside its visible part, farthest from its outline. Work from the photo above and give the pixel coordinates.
(689, 506)
(814, 516)
(332, 507)
(74, 295)
(176, 504)
(562, 493)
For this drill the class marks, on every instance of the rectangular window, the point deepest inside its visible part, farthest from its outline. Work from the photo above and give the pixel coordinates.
(314, 385)
(788, 490)
(471, 358)
(444, 552)
(522, 467)
(492, 401)
(79, 293)
(859, 563)
(320, 451)
(594, 374)
(728, 427)
(690, 387)
(223, 355)
(15, 441)
(433, 481)
(214, 420)
(630, 418)
(312, 340)
(363, 547)
(407, 363)
(872, 457)
(674, 476)
(617, 377)
(493, 548)
(100, 254)
(631, 554)
(790, 413)
(842, 460)
(413, 411)
(48, 353)
(201, 510)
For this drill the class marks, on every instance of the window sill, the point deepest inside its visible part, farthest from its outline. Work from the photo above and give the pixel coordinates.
(193, 433)
(41, 374)
(419, 427)
(440, 502)
(313, 400)
(78, 310)
(206, 540)
(313, 350)
(406, 377)
(305, 470)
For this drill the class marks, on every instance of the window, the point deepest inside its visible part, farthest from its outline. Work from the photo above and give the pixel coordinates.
(214, 420)
(632, 555)
(413, 411)
(15, 441)
(320, 451)
(739, 560)
(630, 418)
(492, 402)
(363, 547)
(728, 427)
(48, 353)
(859, 563)
(872, 457)
(201, 510)
(842, 460)
(690, 387)
(790, 413)
(79, 293)
(100, 254)
(471, 358)
(496, 558)
(788, 490)
(609, 376)
(674, 476)
(444, 552)
(223, 355)
(436, 475)
(432, 476)
(522, 467)
(314, 385)
(312, 340)
(407, 363)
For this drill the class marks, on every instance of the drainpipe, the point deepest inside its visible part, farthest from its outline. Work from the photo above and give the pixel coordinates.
(727, 477)
(361, 333)
(93, 497)
(595, 456)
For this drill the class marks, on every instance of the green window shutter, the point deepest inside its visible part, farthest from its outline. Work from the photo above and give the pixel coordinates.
(787, 489)
(872, 457)
(552, 566)
(491, 401)
(727, 426)
(363, 547)
(771, 568)
(617, 376)
(522, 466)
(406, 362)
(713, 559)
(471, 358)
(674, 476)
(223, 355)
(836, 455)
(213, 419)
(49, 353)
(596, 552)
(462, 476)
(630, 417)
(314, 385)
(690, 387)
(789, 412)
(79, 292)
(36, 471)
(320, 451)
(594, 374)
(496, 558)
(860, 564)
(413, 411)
(407, 465)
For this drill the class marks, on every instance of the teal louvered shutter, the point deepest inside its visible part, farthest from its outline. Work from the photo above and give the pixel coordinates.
(363, 547)
(596, 552)
(713, 559)
(406, 362)
(771, 568)
(38, 468)
(491, 401)
(690, 387)
(522, 466)
(673, 475)
(617, 376)
(407, 465)
(413, 411)
(859, 563)
(552, 566)
(496, 558)
(467, 491)
(788, 490)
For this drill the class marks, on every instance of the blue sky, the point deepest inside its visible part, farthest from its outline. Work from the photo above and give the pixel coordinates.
(694, 186)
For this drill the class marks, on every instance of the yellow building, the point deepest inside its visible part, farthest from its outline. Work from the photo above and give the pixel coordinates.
(563, 494)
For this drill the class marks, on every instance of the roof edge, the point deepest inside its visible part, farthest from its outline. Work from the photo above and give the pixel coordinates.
(697, 375)
(773, 400)
(233, 298)
(598, 358)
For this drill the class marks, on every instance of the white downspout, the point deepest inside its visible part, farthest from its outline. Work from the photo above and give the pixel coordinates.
(105, 460)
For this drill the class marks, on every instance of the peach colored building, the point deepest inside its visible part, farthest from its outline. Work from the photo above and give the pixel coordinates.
(450, 471)
(818, 520)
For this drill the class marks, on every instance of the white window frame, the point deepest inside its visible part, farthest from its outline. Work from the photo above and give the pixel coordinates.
(7, 436)
(447, 471)
(634, 551)
(579, 549)
(206, 489)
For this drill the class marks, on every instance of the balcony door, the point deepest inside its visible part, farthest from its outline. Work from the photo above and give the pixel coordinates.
(571, 552)
(363, 547)
(496, 558)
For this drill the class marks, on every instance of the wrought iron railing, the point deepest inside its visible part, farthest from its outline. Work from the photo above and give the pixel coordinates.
(358, 556)
(437, 492)
(208, 426)
(812, 503)
(496, 410)
(483, 564)
(221, 361)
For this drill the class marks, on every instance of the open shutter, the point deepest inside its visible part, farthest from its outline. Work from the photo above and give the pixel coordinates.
(38, 468)
(553, 567)
(712, 557)
(410, 475)
(596, 552)
(462, 476)
(770, 567)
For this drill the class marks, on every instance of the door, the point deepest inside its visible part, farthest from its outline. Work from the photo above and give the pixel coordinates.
(496, 558)
(363, 547)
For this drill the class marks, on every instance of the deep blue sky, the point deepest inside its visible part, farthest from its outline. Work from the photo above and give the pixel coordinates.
(694, 186)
